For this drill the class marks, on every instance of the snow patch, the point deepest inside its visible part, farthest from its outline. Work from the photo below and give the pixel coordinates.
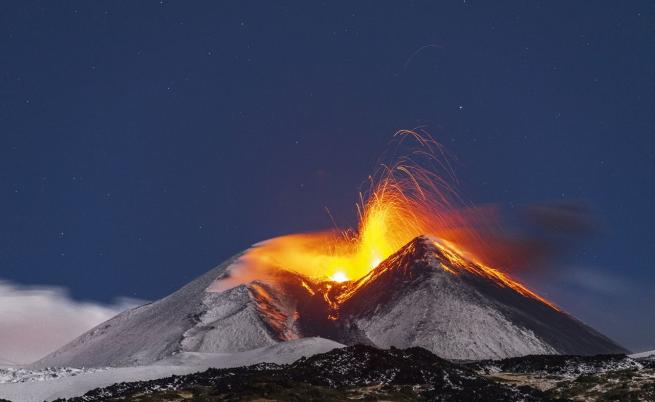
(641, 355)
(77, 382)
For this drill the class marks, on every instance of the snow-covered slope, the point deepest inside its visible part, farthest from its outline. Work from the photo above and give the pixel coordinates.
(189, 320)
(65, 383)
(196, 318)
(417, 297)
(280, 353)
(421, 296)
(643, 355)
(143, 334)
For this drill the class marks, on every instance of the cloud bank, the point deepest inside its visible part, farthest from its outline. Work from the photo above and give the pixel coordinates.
(36, 320)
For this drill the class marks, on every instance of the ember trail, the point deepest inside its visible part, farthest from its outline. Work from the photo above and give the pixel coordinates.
(410, 195)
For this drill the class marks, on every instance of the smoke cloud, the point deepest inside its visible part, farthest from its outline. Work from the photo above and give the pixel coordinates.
(562, 218)
(36, 320)
(533, 236)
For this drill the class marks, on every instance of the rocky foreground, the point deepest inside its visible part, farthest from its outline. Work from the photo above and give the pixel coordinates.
(366, 373)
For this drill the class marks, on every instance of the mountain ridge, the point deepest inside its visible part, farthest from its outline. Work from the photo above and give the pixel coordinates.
(426, 294)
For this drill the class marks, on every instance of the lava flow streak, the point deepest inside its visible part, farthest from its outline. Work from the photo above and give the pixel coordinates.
(456, 259)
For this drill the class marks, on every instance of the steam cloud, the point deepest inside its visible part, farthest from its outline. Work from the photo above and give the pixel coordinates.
(37, 320)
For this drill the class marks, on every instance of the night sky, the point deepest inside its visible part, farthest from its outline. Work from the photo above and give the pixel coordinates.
(142, 143)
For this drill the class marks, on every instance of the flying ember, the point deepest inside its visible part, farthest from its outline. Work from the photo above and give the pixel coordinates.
(410, 195)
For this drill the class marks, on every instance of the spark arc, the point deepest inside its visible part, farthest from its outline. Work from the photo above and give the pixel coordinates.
(411, 194)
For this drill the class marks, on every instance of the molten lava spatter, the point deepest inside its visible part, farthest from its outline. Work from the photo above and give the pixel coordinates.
(407, 198)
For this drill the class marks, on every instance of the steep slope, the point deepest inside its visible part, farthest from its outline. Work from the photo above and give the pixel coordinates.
(189, 320)
(424, 295)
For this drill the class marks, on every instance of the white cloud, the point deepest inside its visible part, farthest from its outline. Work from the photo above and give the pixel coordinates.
(37, 320)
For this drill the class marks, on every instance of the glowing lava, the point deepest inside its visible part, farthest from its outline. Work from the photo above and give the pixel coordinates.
(407, 198)
(339, 277)
(458, 260)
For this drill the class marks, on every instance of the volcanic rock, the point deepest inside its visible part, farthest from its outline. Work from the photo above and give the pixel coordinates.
(356, 372)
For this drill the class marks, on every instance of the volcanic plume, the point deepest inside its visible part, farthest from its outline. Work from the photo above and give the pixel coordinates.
(417, 271)
(411, 194)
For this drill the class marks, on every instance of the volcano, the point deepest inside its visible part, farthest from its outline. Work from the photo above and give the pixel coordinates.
(423, 295)
(426, 296)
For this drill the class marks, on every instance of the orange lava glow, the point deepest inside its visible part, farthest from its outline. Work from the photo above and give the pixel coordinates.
(459, 259)
(339, 277)
(409, 197)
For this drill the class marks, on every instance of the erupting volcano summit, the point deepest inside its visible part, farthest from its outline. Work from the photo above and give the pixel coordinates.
(416, 272)
(424, 295)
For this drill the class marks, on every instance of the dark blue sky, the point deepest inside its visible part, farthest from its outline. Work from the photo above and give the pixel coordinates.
(142, 143)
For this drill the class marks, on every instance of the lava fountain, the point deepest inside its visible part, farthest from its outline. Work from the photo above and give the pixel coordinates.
(411, 194)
